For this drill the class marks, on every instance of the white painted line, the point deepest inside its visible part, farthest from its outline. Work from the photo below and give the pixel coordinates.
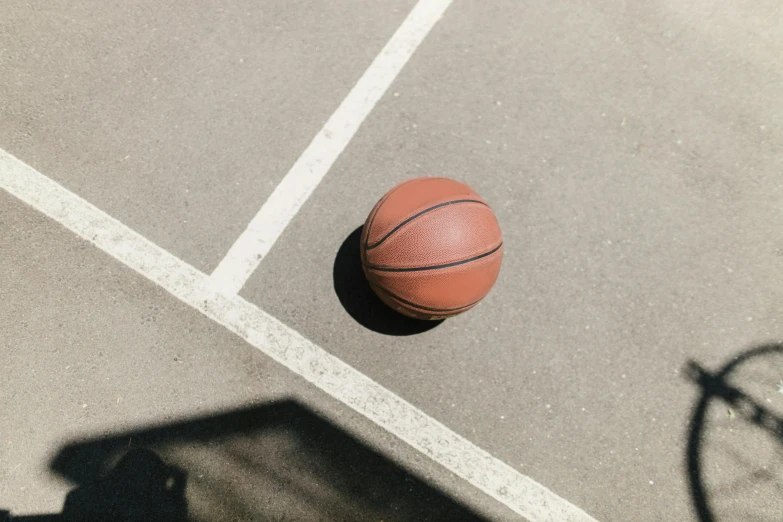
(495, 478)
(257, 240)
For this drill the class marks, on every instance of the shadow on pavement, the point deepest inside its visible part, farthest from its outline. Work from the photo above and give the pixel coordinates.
(277, 462)
(360, 301)
(734, 453)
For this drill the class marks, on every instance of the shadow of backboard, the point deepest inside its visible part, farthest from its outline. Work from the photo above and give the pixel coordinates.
(278, 462)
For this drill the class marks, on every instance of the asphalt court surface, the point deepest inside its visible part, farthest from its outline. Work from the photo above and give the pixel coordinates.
(98, 361)
(640, 233)
(632, 155)
(180, 119)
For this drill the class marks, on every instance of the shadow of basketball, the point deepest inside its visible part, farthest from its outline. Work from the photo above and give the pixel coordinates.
(360, 301)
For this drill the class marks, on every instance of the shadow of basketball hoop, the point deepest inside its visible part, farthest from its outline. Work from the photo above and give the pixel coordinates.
(360, 301)
(735, 441)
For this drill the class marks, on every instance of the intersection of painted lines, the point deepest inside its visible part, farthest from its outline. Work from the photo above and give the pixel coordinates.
(216, 295)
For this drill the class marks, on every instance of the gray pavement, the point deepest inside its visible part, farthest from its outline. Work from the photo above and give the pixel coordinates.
(179, 119)
(632, 154)
(98, 362)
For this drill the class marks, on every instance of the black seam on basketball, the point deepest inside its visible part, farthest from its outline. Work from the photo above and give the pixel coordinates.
(425, 308)
(378, 208)
(434, 267)
(367, 246)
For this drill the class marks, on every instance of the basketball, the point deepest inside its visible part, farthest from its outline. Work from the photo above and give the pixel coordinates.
(431, 248)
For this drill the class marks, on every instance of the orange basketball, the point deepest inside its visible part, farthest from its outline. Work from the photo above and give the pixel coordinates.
(431, 248)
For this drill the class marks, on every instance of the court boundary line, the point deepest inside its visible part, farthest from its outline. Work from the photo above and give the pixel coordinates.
(308, 171)
(288, 347)
(216, 295)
